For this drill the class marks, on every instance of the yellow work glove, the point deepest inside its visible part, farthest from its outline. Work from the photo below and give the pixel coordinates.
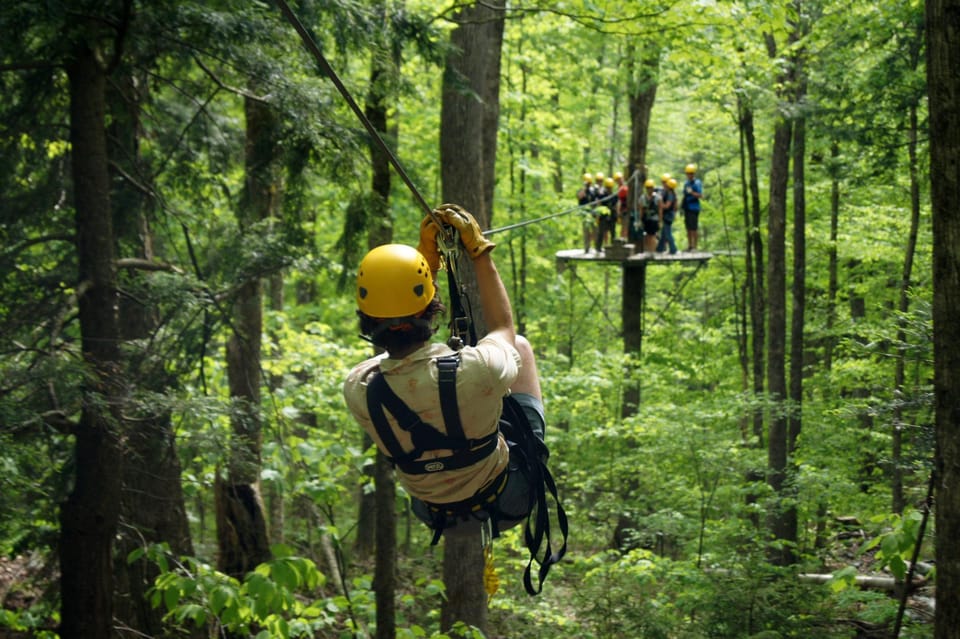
(470, 234)
(428, 242)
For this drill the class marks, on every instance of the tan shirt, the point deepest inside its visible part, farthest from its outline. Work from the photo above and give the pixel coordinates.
(483, 379)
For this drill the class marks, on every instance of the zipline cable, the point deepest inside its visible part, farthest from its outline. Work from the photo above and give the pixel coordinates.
(574, 209)
(312, 47)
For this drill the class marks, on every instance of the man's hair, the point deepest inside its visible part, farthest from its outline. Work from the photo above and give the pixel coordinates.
(397, 334)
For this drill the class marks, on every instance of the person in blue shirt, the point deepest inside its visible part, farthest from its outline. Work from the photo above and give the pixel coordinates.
(690, 205)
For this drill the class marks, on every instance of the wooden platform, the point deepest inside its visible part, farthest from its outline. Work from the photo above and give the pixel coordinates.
(624, 254)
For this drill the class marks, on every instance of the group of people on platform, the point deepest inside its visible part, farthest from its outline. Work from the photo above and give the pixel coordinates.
(604, 202)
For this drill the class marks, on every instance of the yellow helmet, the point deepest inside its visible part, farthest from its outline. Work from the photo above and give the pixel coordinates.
(394, 280)
(588, 178)
(690, 168)
(665, 177)
(650, 183)
(618, 175)
(672, 183)
(599, 177)
(608, 183)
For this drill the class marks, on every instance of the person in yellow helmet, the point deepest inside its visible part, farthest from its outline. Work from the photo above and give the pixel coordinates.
(623, 210)
(449, 454)
(690, 205)
(668, 211)
(649, 204)
(586, 196)
(606, 214)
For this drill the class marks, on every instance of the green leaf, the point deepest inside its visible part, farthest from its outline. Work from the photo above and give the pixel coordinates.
(284, 575)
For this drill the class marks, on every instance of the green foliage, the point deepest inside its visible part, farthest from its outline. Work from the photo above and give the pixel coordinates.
(675, 487)
(265, 603)
(895, 547)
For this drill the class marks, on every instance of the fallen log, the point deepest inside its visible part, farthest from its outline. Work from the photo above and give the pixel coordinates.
(864, 581)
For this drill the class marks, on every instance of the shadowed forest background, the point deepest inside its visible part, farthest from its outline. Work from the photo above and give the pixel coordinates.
(185, 197)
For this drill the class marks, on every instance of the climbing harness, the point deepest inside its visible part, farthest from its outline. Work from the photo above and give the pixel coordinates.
(527, 452)
(425, 437)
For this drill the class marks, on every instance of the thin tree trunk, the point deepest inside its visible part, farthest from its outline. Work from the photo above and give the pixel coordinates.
(777, 445)
(643, 71)
(795, 420)
(943, 83)
(241, 521)
(756, 267)
(385, 569)
(832, 265)
(88, 518)
(152, 506)
(897, 475)
(383, 69)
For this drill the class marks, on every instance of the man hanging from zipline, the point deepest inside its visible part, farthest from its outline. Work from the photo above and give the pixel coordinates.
(463, 427)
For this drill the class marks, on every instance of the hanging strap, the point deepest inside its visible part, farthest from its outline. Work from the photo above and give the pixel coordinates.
(533, 454)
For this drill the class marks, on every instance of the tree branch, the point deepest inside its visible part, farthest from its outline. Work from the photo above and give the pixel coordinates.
(226, 87)
(147, 265)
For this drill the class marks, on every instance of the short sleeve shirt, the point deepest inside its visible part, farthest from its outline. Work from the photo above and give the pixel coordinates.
(484, 377)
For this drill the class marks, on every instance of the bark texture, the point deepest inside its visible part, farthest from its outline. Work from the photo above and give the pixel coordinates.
(88, 519)
(943, 60)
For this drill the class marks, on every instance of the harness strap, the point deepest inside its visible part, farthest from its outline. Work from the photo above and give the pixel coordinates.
(534, 453)
(425, 437)
(482, 500)
(447, 378)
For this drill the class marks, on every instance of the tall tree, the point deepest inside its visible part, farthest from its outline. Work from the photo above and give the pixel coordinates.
(241, 519)
(913, 44)
(381, 97)
(799, 283)
(152, 505)
(471, 88)
(943, 60)
(754, 266)
(88, 520)
(643, 68)
(777, 444)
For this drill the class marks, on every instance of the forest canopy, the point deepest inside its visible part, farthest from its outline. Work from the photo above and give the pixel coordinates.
(743, 437)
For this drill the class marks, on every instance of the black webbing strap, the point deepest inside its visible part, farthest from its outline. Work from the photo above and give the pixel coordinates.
(533, 454)
(381, 397)
(447, 379)
(461, 325)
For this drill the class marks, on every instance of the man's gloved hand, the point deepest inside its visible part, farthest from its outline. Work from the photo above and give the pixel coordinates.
(428, 242)
(470, 234)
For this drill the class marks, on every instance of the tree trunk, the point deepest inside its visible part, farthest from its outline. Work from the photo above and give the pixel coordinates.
(471, 85)
(742, 298)
(152, 507)
(943, 60)
(795, 419)
(385, 569)
(88, 518)
(756, 287)
(643, 93)
(832, 265)
(898, 499)
(777, 445)
(383, 516)
(241, 521)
